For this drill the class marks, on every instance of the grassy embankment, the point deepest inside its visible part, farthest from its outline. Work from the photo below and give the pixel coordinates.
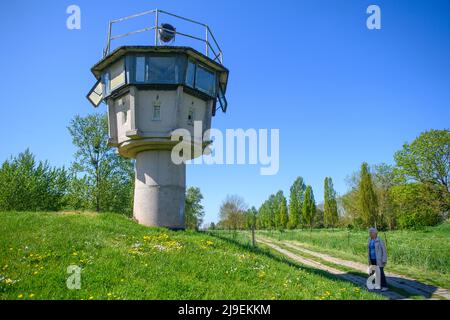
(123, 260)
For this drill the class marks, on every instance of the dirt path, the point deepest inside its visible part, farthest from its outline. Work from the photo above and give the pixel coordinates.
(360, 281)
(409, 285)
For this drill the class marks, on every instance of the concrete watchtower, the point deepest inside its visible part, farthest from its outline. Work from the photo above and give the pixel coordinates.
(150, 91)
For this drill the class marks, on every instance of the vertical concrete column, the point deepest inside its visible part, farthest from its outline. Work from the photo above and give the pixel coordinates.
(159, 191)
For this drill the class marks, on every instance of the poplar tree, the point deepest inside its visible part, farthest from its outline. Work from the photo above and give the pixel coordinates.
(368, 204)
(276, 207)
(283, 213)
(308, 207)
(330, 204)
(295, 202)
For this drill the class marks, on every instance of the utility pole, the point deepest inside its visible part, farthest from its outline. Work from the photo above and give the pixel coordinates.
(253, 230)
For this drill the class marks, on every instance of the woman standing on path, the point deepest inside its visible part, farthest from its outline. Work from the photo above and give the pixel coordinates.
(377, 255)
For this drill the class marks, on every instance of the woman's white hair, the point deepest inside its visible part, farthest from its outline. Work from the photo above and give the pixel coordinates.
(373, 230)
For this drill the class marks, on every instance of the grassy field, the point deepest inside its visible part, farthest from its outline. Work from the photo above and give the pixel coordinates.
(123, 260)
(422, 254)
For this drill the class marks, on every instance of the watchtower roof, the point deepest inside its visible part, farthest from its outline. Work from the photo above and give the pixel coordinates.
(122, 51)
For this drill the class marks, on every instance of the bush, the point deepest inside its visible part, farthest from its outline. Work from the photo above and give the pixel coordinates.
(415, 206)
(27, 185)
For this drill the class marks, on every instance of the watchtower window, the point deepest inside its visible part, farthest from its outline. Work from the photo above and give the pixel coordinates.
(163, 70)
(190, 74)
(166, 70)
(205, 80)
(117, 75)
(105, 80)
(140, 69)
(156, 112)
(191, 115)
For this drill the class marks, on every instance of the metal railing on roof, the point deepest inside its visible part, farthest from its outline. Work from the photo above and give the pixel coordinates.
(212, 48)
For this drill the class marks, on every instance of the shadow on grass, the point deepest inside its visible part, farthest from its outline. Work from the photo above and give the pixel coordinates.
(282, 259)
(415, 288)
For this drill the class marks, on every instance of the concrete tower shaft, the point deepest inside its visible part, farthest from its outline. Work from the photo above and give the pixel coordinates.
(159, 192)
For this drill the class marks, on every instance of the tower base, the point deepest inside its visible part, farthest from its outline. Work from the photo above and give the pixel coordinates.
(159, 191)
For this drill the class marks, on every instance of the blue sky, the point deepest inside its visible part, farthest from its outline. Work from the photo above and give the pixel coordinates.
(339, 93)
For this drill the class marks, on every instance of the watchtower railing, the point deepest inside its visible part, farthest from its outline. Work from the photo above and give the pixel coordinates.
(212, 48)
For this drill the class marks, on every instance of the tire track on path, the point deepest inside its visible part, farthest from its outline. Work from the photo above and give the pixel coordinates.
(360, 281)
(408, 284)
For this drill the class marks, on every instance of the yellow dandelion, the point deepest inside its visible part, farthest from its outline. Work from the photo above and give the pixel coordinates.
(35, 273)
(20, 296)
(91, 298)
(31, 295)
(75, 253)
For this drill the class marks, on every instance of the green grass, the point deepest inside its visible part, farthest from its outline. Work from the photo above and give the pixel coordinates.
(349, 270)
(123, 260)
(244, 237)
(421, 254)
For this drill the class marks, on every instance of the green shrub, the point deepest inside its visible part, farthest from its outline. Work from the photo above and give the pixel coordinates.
(27, 185)
(415, 206)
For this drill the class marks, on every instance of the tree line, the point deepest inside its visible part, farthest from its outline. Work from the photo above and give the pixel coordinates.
(412, 193)
(277, 213)
(97, 179)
